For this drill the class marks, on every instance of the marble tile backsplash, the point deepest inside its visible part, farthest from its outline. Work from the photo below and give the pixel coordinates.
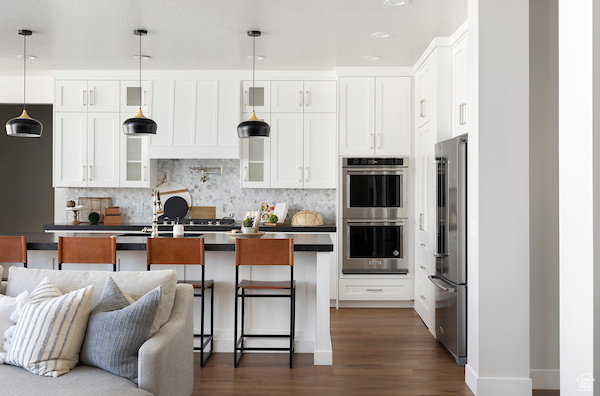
(222, 191)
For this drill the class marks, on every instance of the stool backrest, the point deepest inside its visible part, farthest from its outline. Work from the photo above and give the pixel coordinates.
(175, 251)
(82, 250)
(264, 252)
(13, 249)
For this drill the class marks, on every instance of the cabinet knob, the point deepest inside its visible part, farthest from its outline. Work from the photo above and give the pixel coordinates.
(422, 267)
(423, 297)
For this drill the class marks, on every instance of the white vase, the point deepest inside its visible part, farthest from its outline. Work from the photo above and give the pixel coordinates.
(247, 230)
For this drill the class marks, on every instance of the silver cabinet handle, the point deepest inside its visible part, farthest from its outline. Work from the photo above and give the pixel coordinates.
(422, 108)
(422, 244)
(463, 114)
(91, 97)
(90, 173)
(83, 173)
(421, 217)
(307, 98)
(422, 267)
(300, 98)
(144, 175)
(376, 290)
(300, 174)
(372, 140)
(245, 173)
(395, 221)
(145, 98)
(84, 97)
(246, 98)
(422, 297)
(379, 136)
(306, 173)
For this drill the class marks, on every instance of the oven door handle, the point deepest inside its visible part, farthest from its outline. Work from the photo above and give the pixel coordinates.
(399, 221)
(402, 169)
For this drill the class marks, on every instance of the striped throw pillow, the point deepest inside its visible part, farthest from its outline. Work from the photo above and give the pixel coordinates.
(50, 331)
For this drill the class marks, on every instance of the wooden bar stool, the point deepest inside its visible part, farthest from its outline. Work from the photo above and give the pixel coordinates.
(263, 252)
(82, 250)
(188, 251)
(13, 249)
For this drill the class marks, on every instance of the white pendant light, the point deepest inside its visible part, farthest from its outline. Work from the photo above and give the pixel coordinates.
(253, 127)
(23, 125)
(140, 125)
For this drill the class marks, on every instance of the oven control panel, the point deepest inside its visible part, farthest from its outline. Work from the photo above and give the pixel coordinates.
(374, 161)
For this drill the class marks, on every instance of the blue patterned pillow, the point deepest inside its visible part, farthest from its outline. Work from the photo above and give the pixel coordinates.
(117, 329)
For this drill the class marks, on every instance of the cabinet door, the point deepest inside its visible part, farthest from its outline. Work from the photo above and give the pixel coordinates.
(357, 116)
(70, 96)
(70, 149)
(320, 96)
(423, 85)
(258, 95)
(425, 302)
(103, 149)
(287, 170)
(287, 97)
(459, 87)
(228, 115)
(184, 113)
(163, 92)
(393, 121)
(424, 180)
(134, 164)
(133, 98)
(103, 96)
(256, 160)
(320, 150)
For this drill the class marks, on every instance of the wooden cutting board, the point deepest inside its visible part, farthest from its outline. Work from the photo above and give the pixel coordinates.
(204, 212)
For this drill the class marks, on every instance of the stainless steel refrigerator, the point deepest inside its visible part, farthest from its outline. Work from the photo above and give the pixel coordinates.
(451, 250)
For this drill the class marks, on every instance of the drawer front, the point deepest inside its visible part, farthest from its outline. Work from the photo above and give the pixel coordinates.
(425, 300)
(376, 289)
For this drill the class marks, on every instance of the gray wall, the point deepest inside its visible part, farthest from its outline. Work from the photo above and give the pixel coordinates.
(543, 168)
(27, 196)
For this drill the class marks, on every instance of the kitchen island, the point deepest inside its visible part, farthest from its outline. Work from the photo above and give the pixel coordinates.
(311, 272)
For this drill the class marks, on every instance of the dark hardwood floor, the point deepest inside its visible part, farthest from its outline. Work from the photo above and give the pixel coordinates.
(375, 352)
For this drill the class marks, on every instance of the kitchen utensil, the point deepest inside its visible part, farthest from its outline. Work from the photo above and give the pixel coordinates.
(204, 212)
(175, 207)
(234, 235)
(307, 218)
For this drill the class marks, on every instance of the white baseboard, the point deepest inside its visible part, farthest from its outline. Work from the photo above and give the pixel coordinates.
(545, 379)
(376, 304)
(482, 386)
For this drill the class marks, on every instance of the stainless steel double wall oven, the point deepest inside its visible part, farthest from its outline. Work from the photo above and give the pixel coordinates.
(374, 212)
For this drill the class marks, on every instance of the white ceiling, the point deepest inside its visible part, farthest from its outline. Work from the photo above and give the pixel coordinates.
(211, 34)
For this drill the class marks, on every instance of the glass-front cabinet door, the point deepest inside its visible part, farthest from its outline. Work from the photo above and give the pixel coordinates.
(256, 160)
(131, 96)
(258, 95)
(135, 165)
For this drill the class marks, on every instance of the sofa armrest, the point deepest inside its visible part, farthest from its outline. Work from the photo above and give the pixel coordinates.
(166, 360)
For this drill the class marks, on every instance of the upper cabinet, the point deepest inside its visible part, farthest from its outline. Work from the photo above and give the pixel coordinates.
(133, 97)
(303, 96)
(196, 118)
(375, 115)
(459, 86)
(256, 97)
(80, 96)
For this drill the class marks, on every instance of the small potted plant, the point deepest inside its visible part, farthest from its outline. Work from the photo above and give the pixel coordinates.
(248, 225)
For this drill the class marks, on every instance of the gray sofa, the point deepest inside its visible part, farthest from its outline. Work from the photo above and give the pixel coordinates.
(166, 360)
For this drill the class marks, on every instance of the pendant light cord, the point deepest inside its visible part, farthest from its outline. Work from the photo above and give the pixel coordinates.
(140, 72)
(253, 68)
(24, 69)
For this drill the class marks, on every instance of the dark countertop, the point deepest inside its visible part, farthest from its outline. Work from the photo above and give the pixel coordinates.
(137, 227)
(212, 242)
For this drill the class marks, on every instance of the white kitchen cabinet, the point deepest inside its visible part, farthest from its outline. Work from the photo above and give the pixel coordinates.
(425, 302)
(256, 97)
(375, 115)
(424, 97)
(320, 166)
(459, 86)
(303, 96)
(195, 118)
(391, 289)
(84, 96)
(132, 97)
(86, 149)
(255, 164)
(135, 168)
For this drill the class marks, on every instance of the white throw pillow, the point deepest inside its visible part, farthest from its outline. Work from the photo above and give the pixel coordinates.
(50, 331)
(10, 310)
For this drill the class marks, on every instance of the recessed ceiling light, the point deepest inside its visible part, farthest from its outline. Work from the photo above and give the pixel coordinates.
(371, 57)
(382, 35)
(142, 56)
(396, 2)
(27, 57)
(257, 57)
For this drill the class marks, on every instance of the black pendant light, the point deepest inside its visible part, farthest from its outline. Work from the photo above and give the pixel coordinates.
(23, 125)
(253, 127)
(139, 125)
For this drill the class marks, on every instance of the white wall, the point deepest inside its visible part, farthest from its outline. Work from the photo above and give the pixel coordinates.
(498, 119)
(40, 89)
(543, 154)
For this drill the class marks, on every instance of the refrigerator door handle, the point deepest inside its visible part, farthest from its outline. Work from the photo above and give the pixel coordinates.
(441, 285)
